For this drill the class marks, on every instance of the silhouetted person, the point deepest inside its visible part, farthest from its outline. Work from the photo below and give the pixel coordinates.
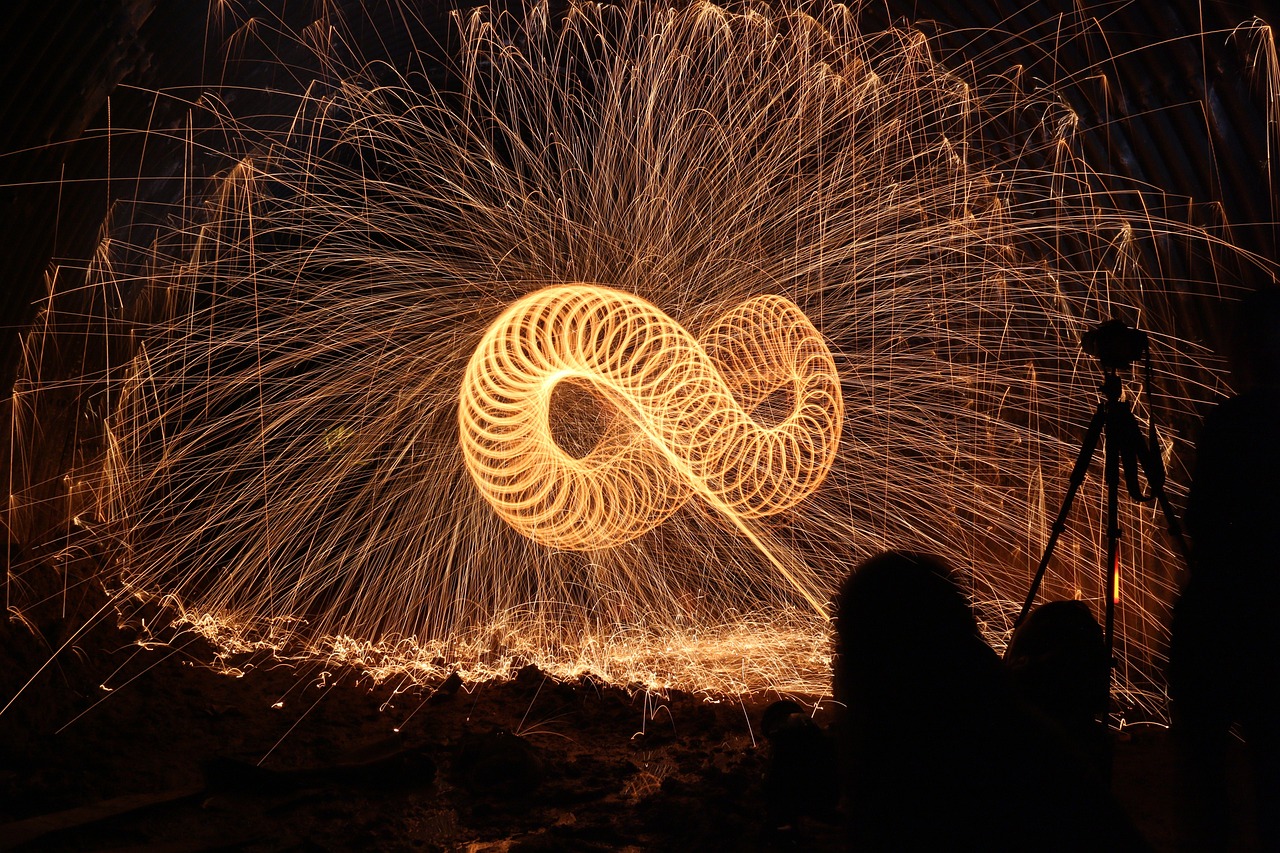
(1224, 659)
(937, 751)
(1059, 663)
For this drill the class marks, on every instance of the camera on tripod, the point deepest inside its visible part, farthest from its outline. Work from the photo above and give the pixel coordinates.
(1114, 344)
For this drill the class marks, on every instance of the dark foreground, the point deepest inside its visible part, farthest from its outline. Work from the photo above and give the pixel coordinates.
(180, 758)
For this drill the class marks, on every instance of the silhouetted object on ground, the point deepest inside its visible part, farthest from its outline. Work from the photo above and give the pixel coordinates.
(1058, 661)
(1224, 658)
(802, 777)
(447, 689)
(938, 753)
(498, 763)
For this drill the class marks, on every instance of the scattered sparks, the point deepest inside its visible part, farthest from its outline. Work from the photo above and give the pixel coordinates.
(887, 265)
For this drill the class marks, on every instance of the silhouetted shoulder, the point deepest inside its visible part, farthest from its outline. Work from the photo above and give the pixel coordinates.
(1235, 491)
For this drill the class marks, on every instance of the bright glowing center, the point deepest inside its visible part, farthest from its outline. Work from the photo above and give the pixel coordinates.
(686, 407)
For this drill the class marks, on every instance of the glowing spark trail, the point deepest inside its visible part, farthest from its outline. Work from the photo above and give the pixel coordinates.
(356, 403)
(685, 430)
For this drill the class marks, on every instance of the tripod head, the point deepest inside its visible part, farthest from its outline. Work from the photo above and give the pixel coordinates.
(1117, 345)
(1111, 386)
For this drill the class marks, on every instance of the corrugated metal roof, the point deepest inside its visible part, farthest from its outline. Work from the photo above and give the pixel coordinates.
(1162, 106)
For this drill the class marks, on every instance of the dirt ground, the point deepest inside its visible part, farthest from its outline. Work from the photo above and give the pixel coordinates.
(275, 761)
(178, 757)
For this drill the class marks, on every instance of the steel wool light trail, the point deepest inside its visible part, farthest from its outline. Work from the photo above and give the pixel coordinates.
(608, 342)
(683, 431)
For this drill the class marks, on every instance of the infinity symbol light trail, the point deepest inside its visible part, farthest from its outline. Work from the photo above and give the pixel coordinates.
(683, 420)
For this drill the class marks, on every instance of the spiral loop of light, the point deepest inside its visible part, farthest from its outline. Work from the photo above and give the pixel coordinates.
(687, 427)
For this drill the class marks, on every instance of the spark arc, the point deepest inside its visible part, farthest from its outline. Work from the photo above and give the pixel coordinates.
(276, 374)
(684, 414)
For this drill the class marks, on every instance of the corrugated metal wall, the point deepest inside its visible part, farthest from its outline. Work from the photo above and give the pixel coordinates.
(1168, 91)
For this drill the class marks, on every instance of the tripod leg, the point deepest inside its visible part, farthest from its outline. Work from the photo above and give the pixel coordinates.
(1113, 455)
(1060, 523)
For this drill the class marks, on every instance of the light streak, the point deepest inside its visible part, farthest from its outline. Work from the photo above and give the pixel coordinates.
(910, 251)
(686, 426)
(1115, 580)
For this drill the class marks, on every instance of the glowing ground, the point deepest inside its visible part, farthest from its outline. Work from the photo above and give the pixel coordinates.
(601, 769)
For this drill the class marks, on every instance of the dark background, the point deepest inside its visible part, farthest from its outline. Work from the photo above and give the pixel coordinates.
(1171, 104)
(1169, 100)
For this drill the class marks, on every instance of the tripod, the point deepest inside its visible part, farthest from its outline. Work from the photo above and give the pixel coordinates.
(1125, 448)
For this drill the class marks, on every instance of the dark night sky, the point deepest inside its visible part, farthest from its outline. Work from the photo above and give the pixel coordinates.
(60, 61)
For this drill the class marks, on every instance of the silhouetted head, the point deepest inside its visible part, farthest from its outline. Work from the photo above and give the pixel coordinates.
(903, 600)
(902, 622)
(1058, 630)
(780, 716)
(1256, 356)
(1058, 659)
